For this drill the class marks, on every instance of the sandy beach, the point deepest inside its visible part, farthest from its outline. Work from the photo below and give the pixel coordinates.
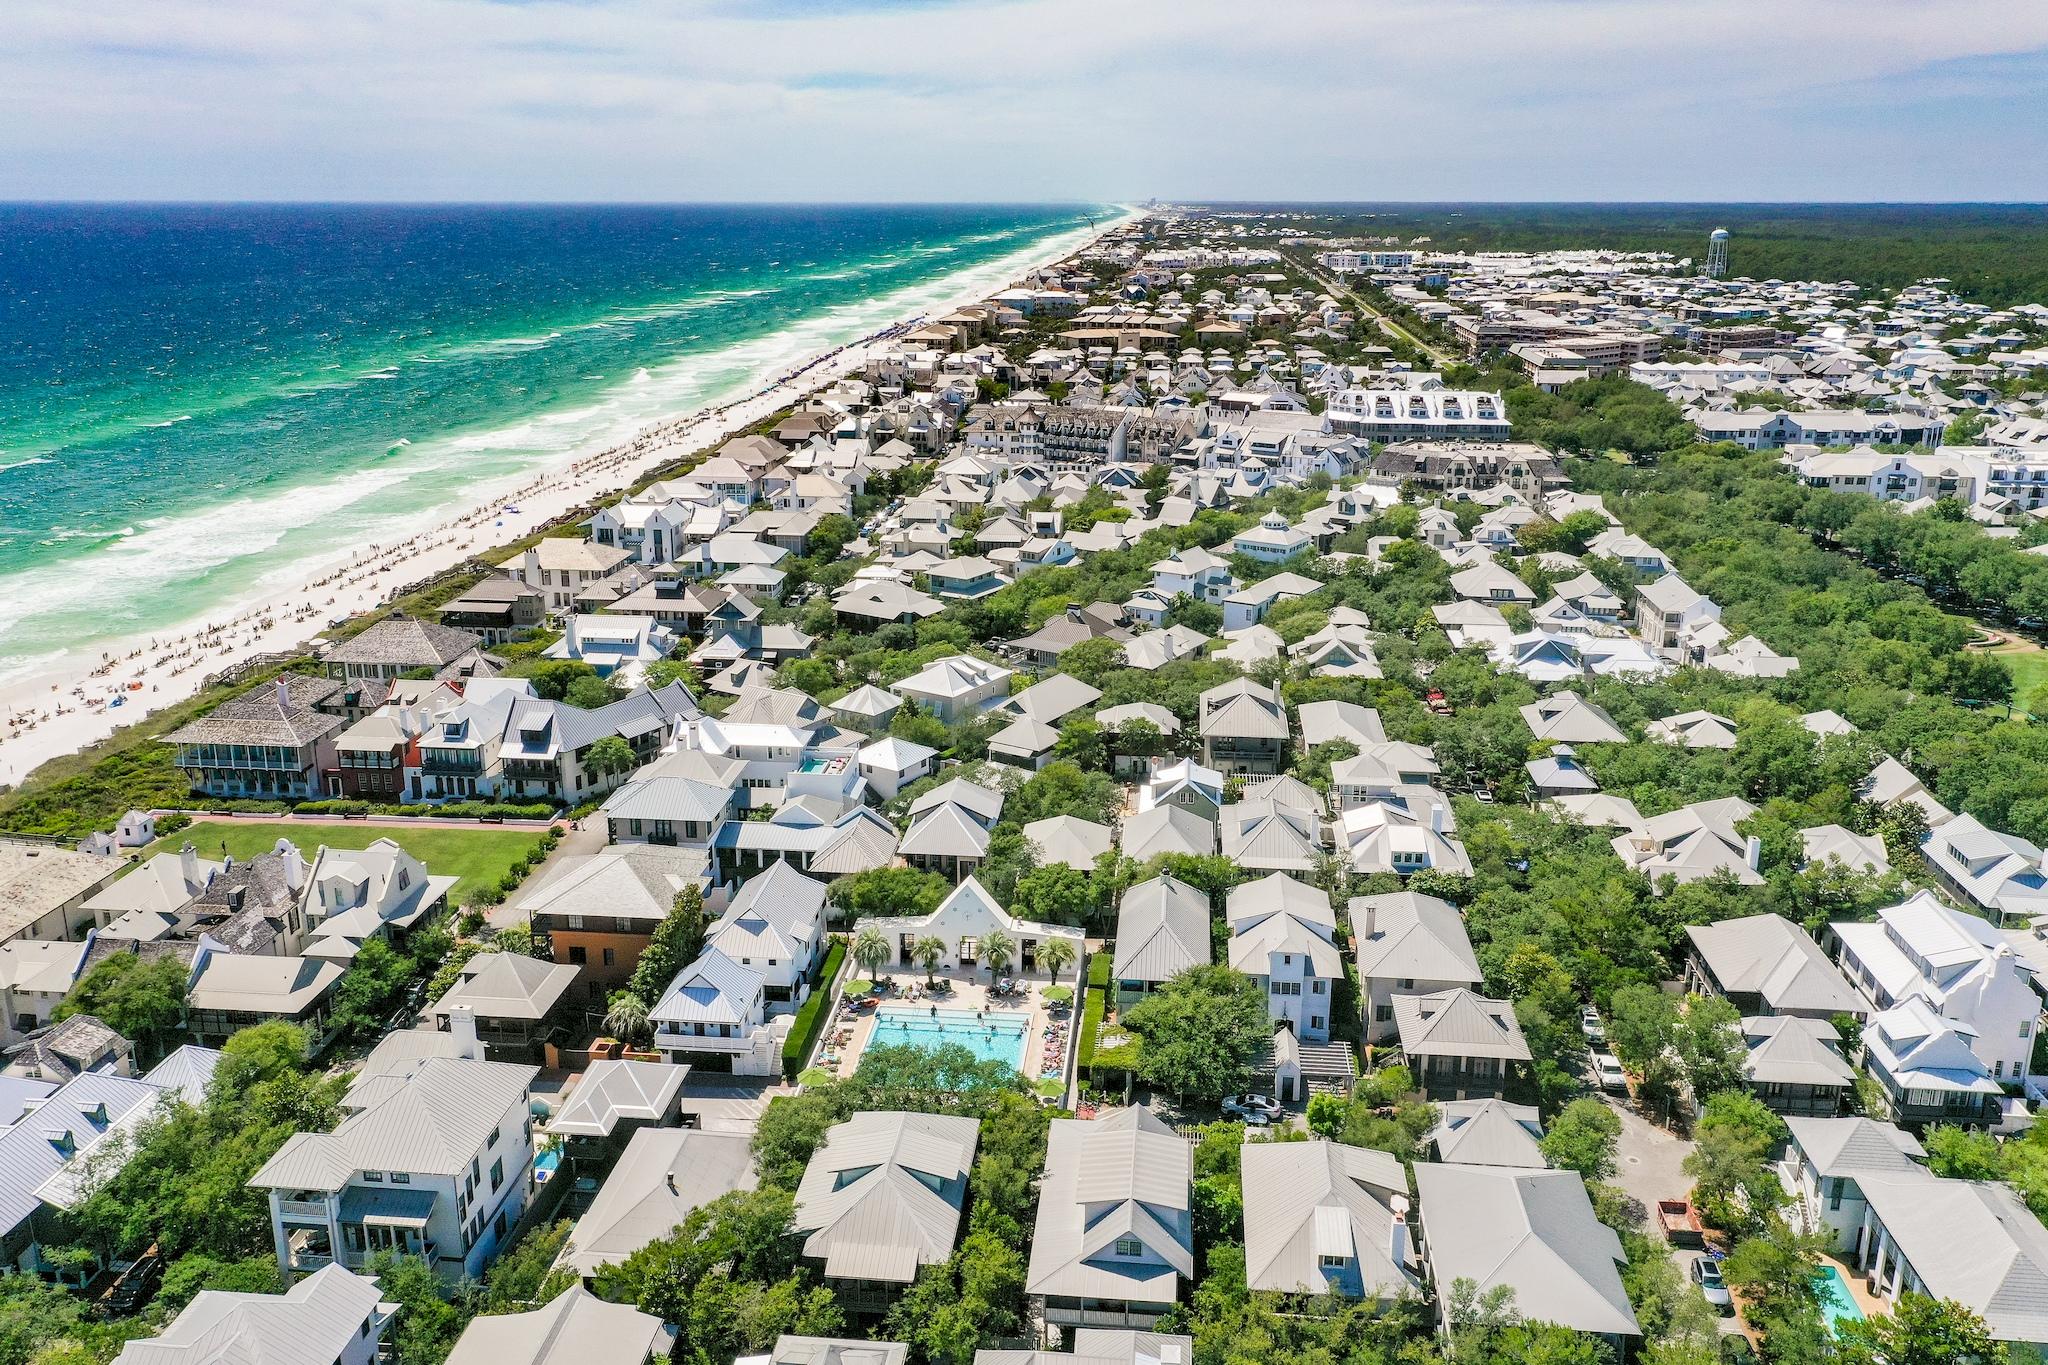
(87, 699)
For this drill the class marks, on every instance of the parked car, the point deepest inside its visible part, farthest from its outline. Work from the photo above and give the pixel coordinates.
(1608, 1074)
(1590, 1025)
(1706, 1273)
(1253, 1108)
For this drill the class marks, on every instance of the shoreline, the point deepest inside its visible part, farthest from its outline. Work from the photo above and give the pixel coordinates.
(82, 702)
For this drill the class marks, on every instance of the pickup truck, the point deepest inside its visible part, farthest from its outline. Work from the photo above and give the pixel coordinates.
(1681, 1223)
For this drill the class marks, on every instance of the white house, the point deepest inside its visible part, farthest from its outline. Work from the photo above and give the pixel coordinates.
(2000, 873)
(715, 1014)
(1283, 935)
(1959, 964)
(434, 1159)
(331, 1315)
(1114, 1238)
(1825, 1163)
(955, 687)
(775, 925)
(1408, 944)
(963, 922)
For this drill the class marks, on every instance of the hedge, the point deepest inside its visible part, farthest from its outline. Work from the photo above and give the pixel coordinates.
(1118, 1059)
(812, 1014)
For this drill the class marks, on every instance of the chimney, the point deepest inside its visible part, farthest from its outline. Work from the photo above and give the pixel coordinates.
(569, 636)
(670, 1176)
(1753, 852)
(529, 567)
(1436, 817)
(1372, 921)
(188, 863)
(284, 695)
(294, 865)
(462, 1024)
(1399, 1248)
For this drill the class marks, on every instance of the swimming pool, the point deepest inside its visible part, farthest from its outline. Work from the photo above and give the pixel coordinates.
(545, 1164)
(995, 1037)
(1837, 1304)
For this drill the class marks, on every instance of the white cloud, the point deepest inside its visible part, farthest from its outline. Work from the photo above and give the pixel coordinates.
(731, 99)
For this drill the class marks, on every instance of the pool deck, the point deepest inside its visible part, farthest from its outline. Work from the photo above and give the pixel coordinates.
(849, 1033)
(1871, 1305)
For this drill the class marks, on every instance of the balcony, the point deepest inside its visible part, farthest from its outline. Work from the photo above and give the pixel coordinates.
(315, 1209)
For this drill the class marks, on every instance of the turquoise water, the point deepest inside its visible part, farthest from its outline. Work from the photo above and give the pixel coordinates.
(1837, 1304)
(995, 1038)
(199, 404)
(545, 1165)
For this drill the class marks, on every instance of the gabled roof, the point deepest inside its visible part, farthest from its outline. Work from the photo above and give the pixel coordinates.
(1162, 929)
(312, 1323)
(1412, 937)
(430, 1122)
(574, 1328)
(1167, 829)
(664, 1174)
(1125, 1174)
(882, 1195)
(1769, 956)
(1308, 1201)
(1569, 718)
(1459, 1023)
(1068, 840)
(1488, 1133)
(1532, 1231)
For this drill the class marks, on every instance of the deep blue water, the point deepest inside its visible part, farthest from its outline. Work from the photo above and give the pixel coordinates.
(197, 401)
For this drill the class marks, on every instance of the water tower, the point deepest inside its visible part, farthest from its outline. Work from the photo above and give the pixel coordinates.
(1717, 253)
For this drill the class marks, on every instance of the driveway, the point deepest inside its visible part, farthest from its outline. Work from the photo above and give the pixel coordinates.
(1649, 1165)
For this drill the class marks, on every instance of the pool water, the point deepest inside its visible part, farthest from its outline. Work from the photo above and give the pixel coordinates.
(1837, 1304)
(992, 1038)
(545, 1165)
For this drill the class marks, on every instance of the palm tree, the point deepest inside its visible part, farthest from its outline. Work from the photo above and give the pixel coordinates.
(871, 951)
(998, 949)
(1056, 955)
(627, 1020)
(929, 952)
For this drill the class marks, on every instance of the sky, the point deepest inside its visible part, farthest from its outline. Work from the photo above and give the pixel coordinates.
(1024, 100)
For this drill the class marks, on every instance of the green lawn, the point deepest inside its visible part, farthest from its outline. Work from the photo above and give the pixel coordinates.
(2029, 669)
(478, 856)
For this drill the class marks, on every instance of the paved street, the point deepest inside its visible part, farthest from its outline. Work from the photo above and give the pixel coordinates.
(1649, 1166)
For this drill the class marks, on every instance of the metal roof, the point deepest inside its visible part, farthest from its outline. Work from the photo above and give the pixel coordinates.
(664, 1174)
(1532, 1231)
(882, 1195)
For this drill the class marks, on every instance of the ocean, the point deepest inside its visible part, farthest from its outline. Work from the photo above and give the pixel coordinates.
(200, 403)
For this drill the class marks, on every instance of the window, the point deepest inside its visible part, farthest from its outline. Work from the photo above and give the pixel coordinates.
(578, 956)
(1129, 1246)
(374, 1177)
(492, 1140)
(1382, 1014)
(497, 1173)
(1316, 986)
(401, 1177)
(1331, 1262)
(611, 957)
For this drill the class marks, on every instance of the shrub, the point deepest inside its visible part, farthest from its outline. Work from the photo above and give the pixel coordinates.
(811, 1015)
